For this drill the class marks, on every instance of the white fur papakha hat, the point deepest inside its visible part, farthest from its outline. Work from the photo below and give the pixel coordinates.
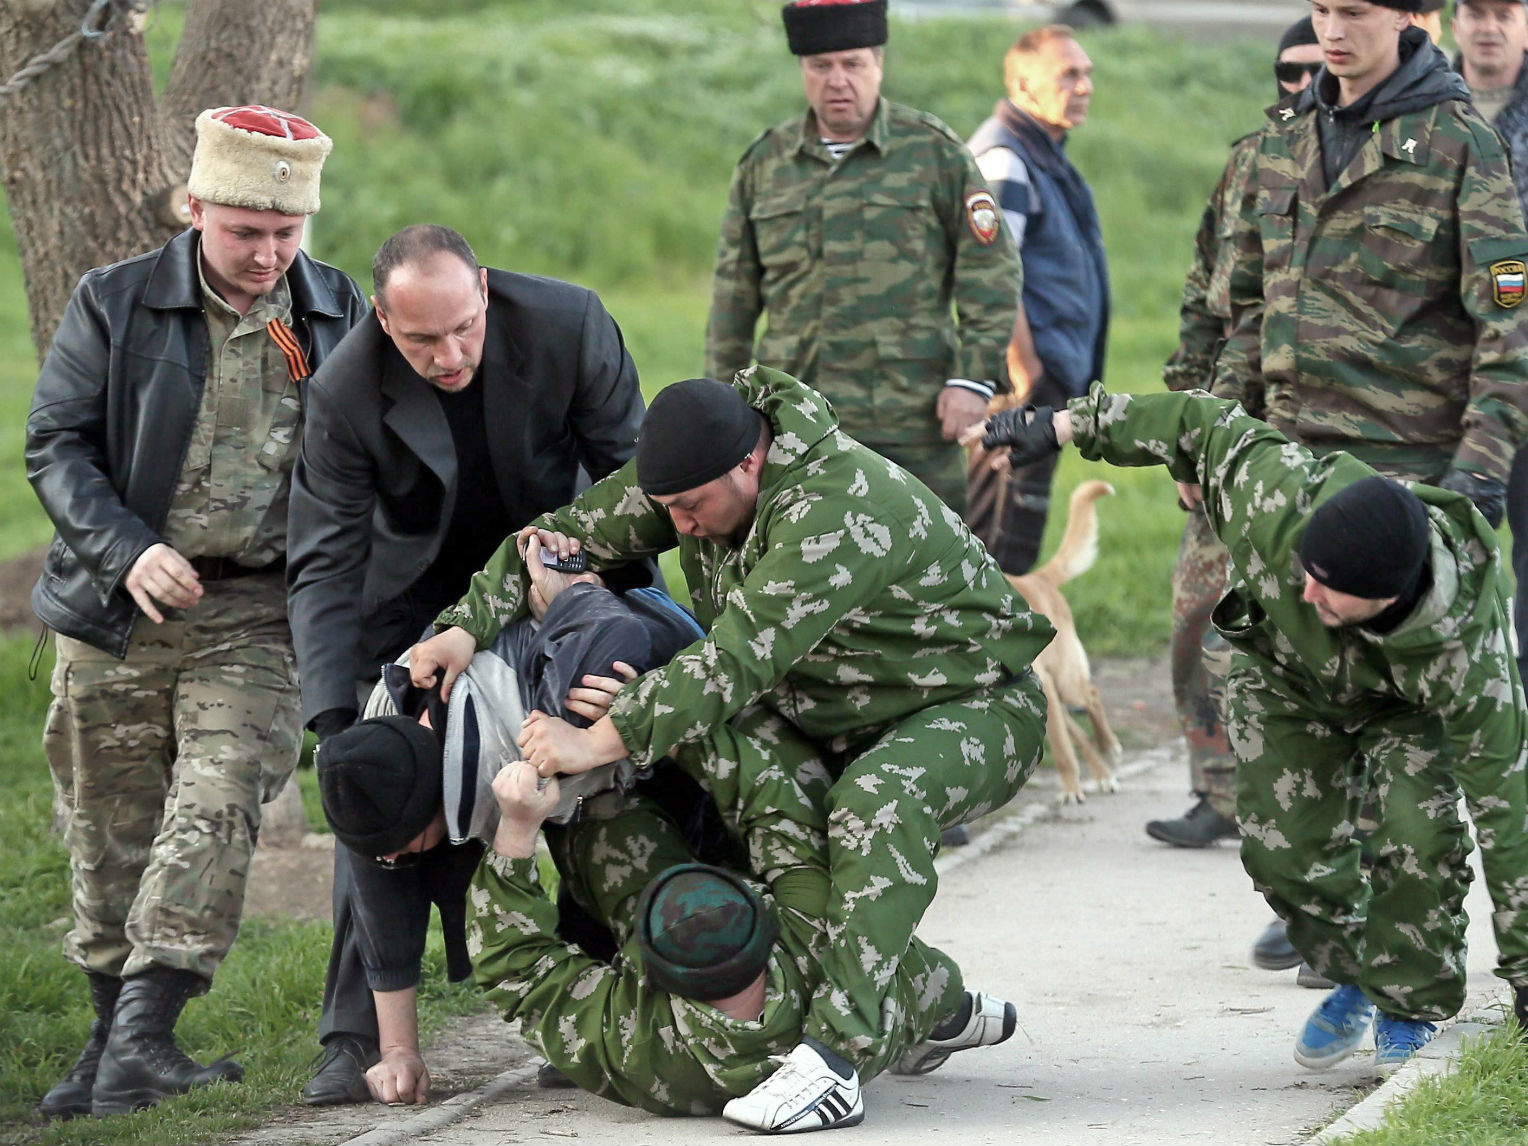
(258, 157)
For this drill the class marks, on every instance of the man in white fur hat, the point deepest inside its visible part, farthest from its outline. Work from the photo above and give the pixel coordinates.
(161, 440)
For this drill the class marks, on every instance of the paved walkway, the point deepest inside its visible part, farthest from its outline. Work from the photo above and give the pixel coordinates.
(1141, 1019)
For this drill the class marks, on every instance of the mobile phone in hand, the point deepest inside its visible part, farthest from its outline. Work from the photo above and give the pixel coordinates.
(575, 563)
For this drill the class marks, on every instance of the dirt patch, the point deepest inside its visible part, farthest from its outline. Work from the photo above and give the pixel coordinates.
(17, 576)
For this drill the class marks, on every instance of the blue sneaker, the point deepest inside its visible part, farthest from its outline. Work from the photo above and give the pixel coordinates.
(1396, 1040)
(1334, 1029)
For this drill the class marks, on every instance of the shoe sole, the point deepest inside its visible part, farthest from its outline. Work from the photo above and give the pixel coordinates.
(1313, 1061)
(795, 1127)
(1180, 842)
(1283, 963)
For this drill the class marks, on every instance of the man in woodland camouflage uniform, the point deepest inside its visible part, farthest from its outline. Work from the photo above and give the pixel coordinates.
(1375, 276)
(852, 229)
(1370, 649)
(714, 977)
(161, 441)
(839, 594)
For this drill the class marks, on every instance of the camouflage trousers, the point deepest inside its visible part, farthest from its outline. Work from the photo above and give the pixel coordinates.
(163, 760)
(1399, 932)
(942, 468)
(945, 765)
(1199, 582)
(607, 864)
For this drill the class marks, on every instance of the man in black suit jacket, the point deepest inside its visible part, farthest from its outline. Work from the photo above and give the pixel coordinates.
(460, 409)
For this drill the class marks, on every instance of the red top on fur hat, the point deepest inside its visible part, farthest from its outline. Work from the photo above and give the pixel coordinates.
(270, 121)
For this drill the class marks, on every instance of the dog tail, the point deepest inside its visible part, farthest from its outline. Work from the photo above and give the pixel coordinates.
(1079, 545)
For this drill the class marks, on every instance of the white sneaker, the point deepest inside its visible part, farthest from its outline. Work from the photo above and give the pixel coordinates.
(804, 1094)
(992, 1021)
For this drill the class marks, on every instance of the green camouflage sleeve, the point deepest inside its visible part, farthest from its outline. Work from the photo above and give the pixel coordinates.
(612, 519)
(1238, 370)
(987, 277)
(736, 296)
(1206, 307)
(826, 556)
(1493, 252)
(561, 996)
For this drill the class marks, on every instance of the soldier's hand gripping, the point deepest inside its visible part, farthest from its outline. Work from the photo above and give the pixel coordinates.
(1029, 434)
(524, 800)
(1490, 497)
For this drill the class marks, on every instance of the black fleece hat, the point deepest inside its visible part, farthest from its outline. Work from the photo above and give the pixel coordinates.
(1369, 540)
(694, 432)
(1404, 5)
(816, 26)
(1297, 35)
(704, 933)
(380, 780)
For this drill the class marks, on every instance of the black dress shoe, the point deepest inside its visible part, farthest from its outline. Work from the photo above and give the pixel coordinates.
(1273, 951)
(341, 1075)
(1199, 827)
(548, 1077)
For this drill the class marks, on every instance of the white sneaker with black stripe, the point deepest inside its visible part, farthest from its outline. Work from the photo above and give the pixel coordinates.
(804, 1094)
(992, 1021)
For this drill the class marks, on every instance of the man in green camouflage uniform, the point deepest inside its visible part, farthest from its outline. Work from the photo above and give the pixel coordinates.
(1378, 269)
(853, 229)
(644, 1035)
(838, 593)
(1414, 693)
(161, 440)
(1199, 578)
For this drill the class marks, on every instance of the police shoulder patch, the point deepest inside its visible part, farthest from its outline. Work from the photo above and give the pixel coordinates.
(985, 222)
(1507, 282)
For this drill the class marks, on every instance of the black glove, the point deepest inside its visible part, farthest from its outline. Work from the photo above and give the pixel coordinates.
(1028, 432)
(333, 720)
(1490, 497)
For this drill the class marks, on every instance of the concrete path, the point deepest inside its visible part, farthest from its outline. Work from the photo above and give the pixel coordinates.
(1142, 1021)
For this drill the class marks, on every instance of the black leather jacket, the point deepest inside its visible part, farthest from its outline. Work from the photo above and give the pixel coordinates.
(113, 414)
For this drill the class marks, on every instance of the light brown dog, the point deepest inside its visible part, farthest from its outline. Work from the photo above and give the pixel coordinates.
(1063, 664)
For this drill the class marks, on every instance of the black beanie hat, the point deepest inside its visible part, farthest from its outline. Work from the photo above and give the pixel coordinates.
(816, 26)
(381, 781)
(1297, 35)
(1369, 540)
(694, 432)
(704, 933)
(1403, 6)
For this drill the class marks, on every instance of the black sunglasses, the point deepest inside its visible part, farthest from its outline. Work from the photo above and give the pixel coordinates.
(1289, 72)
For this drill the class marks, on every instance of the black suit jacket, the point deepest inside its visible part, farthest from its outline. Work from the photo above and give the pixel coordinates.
(376, 481)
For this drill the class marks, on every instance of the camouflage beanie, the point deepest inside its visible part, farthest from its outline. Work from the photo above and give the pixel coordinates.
(380, 781)
(1370, 540)
(704, 932)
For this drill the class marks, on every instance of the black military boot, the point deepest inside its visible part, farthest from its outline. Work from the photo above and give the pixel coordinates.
(1520, 1007)
(71, 1097)
(1199, 827)
(142, 1064)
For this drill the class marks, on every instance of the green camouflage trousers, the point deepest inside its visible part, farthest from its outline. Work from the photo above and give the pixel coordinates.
(1399, 934)
(894, 793)
(1199, 582)
(163, 760)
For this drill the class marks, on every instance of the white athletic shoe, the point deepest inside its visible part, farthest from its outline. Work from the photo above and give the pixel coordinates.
(992, 1021)
(804, 1094)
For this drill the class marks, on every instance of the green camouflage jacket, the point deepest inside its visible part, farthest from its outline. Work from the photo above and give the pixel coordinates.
(1383, 316)
(855, 264)
(1204, 318)
(856, 598)
(1451, 657)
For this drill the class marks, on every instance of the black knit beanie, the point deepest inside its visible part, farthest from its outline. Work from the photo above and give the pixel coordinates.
(694, 432)
(1297, 35)
(816, 26)
(1369, 540)
(381, 782)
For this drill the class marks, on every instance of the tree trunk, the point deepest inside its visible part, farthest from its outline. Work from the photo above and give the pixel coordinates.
(94, 170)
